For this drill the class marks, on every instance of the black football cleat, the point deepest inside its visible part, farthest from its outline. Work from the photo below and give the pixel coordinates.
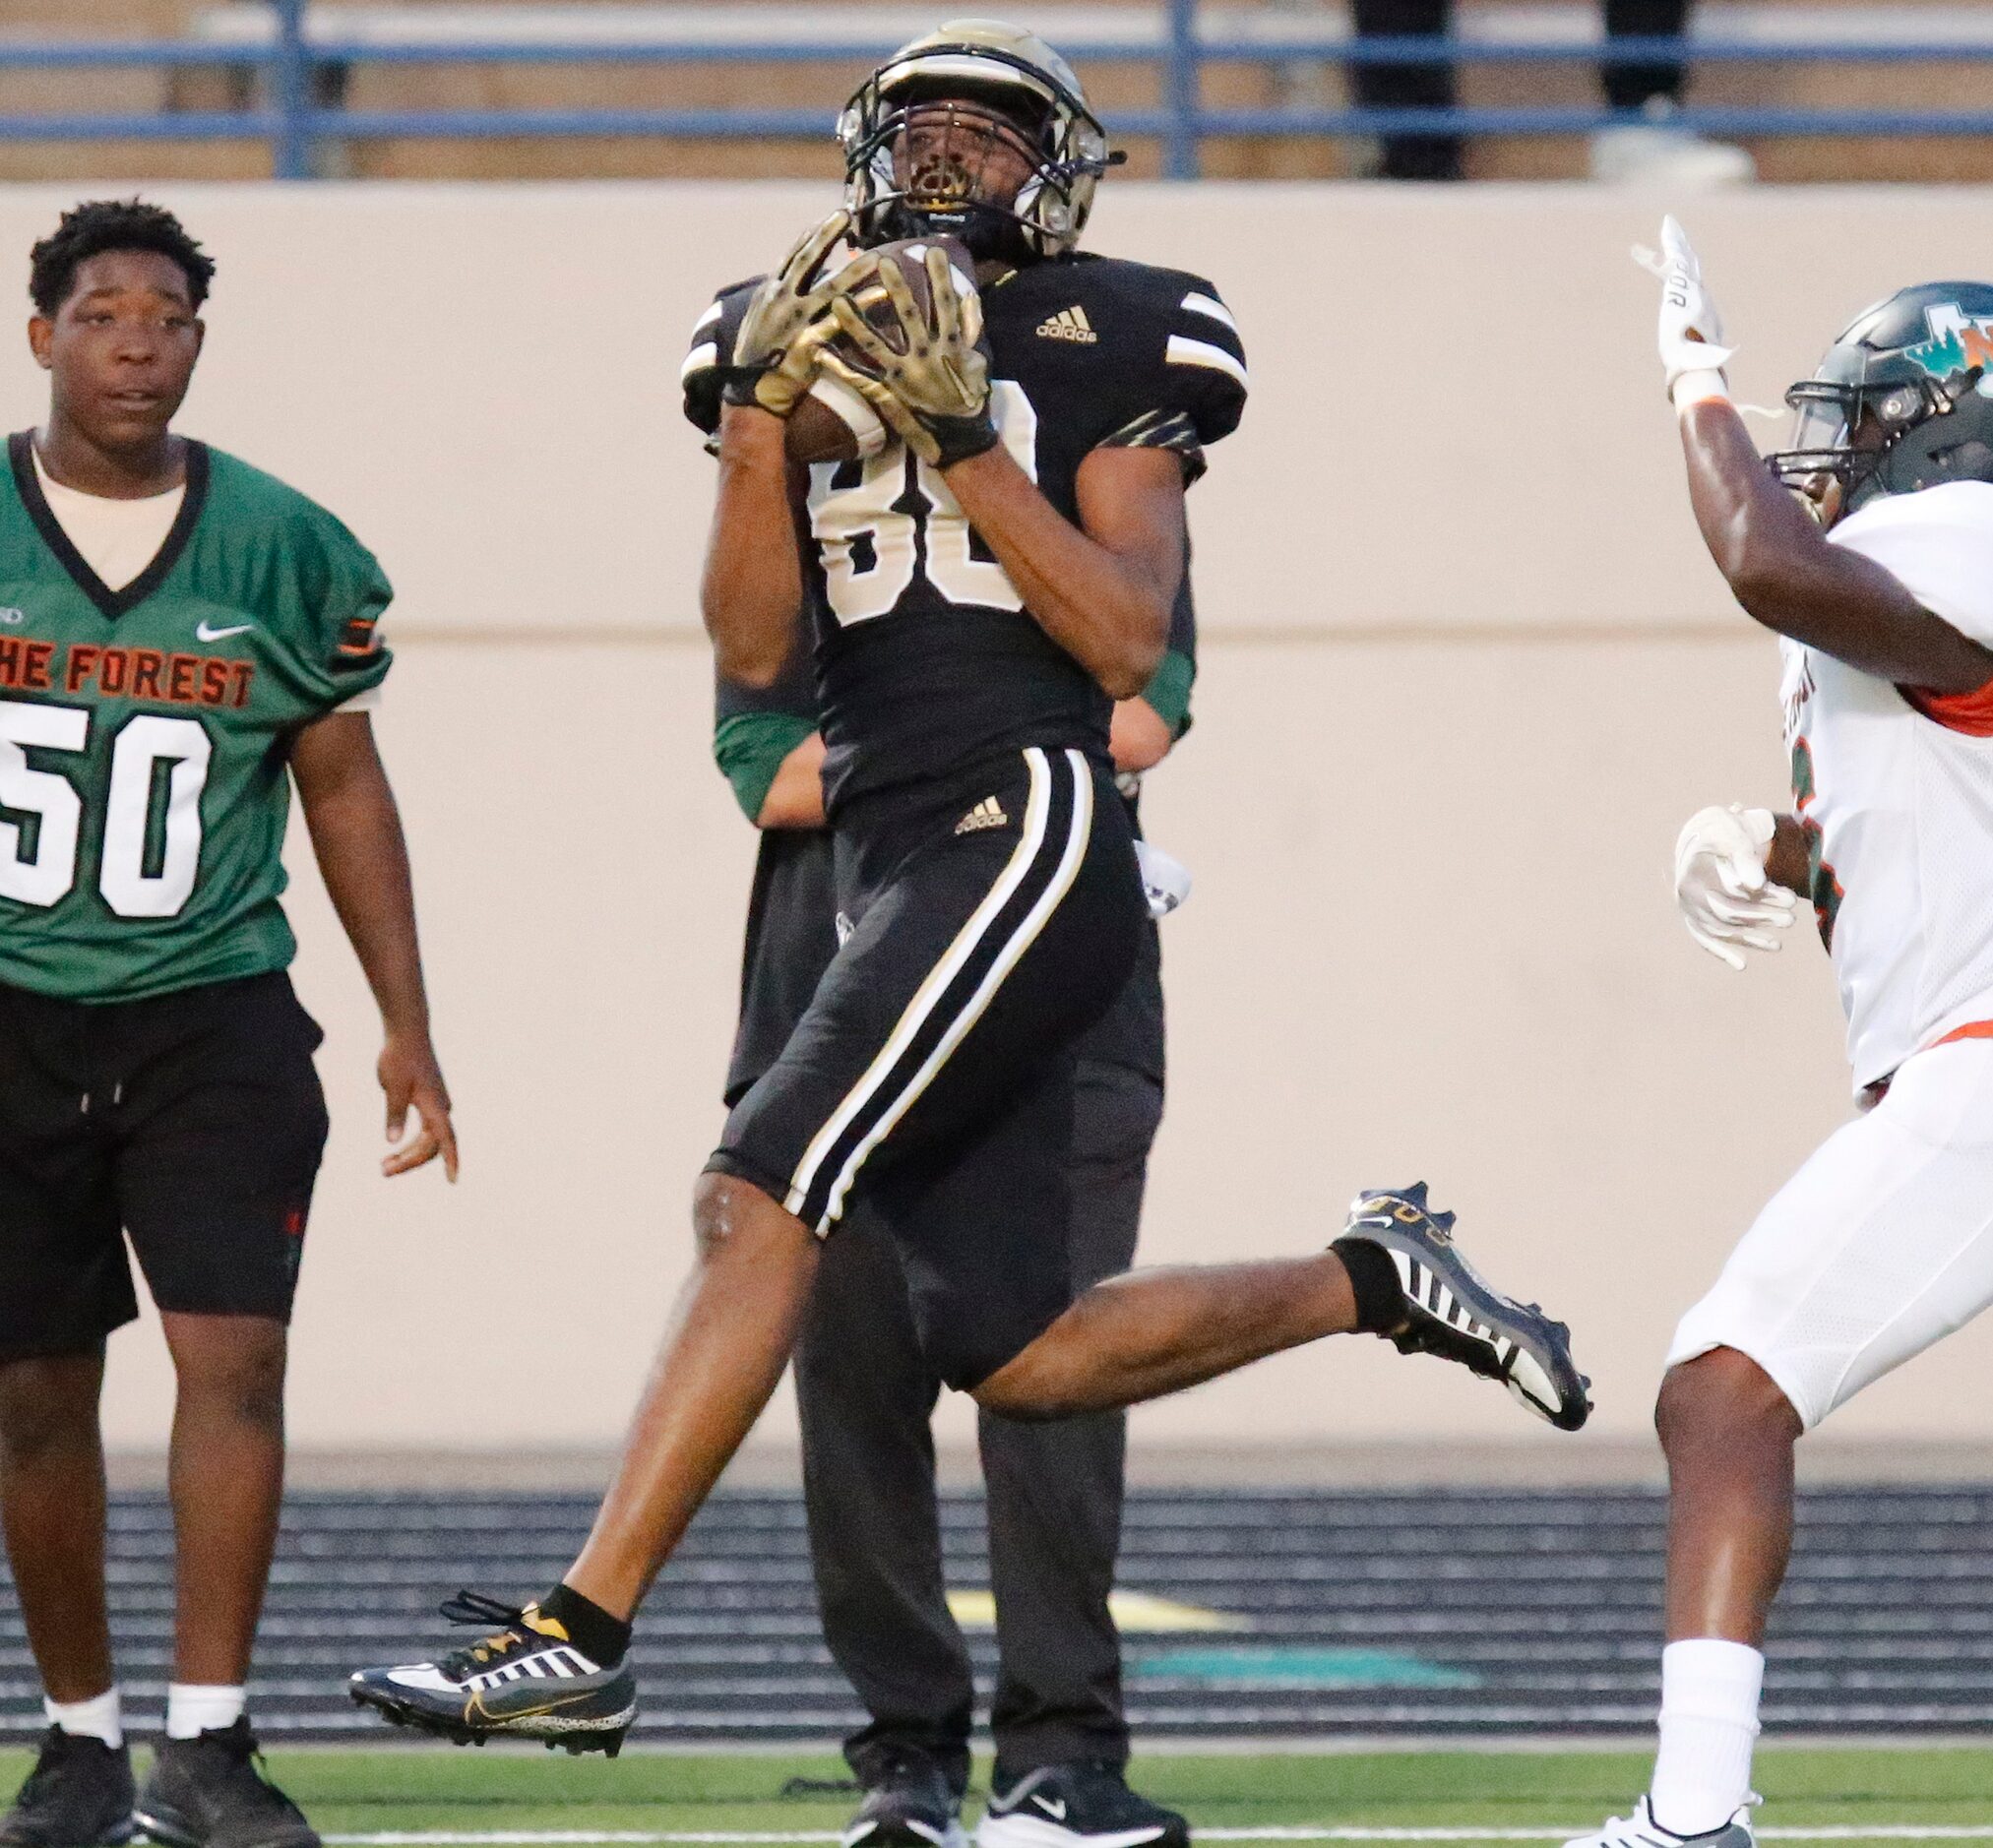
(525, 1680)
(207, 1792)
(1086, 1805)
(1453, 1312)
(79, 1795)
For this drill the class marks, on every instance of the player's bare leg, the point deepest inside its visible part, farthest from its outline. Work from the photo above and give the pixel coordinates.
(225, 1474)
(732, 1332)
(555, 1671)
(1134, 1338)
(1729, 1433)
(1150, 1333)
(1395, 1272)
(52, 1499)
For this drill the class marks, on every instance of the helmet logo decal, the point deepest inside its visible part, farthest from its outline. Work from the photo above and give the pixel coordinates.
(1958, 342)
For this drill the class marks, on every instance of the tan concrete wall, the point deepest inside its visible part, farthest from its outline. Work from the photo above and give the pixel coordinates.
(1465, 672)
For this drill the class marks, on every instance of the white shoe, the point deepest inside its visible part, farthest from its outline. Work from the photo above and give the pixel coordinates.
(1641, 1830)
(1657, 152)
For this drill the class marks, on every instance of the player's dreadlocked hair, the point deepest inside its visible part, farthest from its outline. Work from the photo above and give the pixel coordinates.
(100, 224)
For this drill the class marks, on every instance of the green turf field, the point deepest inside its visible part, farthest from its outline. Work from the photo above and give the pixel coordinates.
(1815, 1793)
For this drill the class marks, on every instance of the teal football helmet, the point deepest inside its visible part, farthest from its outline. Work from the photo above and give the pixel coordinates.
(1901, 400)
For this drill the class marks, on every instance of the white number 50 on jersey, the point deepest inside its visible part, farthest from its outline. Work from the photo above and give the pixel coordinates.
(873, 510)
(142, 743)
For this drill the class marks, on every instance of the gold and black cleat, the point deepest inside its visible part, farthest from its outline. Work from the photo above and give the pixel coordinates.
(525, 1680)
(1450, 1310)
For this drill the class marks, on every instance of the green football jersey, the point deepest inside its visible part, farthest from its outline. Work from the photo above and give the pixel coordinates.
(144, 733)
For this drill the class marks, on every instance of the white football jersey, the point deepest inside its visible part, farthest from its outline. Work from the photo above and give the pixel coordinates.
(1895, 789)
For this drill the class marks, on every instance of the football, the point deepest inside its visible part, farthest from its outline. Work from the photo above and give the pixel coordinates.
(819, 431)
(832, 424)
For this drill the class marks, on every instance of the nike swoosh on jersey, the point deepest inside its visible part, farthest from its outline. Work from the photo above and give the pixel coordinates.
(202, 633)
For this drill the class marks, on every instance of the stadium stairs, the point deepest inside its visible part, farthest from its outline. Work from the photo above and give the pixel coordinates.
(1277, 1611)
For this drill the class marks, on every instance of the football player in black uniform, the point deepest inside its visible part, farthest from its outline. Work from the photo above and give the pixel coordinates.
(1055, 1489)
(981, 588)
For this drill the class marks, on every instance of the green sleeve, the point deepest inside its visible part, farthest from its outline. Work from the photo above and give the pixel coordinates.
(749, 749)
(359, 659)
(342, 592)
(1169, 691)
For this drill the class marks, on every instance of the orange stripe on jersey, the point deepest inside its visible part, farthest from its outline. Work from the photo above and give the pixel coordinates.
(1873, 1094)
(1970, 713)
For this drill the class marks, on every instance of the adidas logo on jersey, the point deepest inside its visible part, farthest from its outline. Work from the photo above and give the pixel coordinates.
(988, 812)
(1069, 324)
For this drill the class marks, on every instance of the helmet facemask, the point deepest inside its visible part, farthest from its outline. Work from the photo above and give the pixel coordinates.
(1844, 430)
(1877, 437)
(1006, 166)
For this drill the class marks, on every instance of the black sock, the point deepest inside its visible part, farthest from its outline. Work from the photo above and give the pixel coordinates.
(602, 1638)
(1373, 1279)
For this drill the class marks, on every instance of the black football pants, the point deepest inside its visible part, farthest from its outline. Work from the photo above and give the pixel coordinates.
(1054, 1491)
(1431, 85)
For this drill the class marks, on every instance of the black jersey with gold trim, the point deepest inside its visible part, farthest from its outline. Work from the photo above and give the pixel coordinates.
(927, 660)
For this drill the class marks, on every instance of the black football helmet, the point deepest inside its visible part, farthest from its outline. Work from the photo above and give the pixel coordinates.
(1900, 402)
(973, 85)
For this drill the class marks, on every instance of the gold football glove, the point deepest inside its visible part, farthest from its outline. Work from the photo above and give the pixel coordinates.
(932, 388)
(774, 353)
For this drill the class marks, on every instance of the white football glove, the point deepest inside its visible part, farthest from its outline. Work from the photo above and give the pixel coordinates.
(1721, 885)
(1691, 328)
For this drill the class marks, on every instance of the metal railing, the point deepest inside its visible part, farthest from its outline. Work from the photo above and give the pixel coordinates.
(293, 63)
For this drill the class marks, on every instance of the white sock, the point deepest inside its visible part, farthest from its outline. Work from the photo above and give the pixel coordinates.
(192, 1709)
(97, 1718)
(1709, 1719)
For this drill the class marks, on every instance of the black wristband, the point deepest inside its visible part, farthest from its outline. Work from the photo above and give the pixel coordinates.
(1373, 1282)
(962, 438)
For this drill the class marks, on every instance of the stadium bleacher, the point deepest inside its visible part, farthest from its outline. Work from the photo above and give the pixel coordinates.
(643, 58)
(1260, 1613)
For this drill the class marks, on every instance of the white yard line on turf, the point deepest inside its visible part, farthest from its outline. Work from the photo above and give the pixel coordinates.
(748, 1838)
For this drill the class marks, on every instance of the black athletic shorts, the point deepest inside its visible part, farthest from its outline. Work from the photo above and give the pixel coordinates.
(986, 925)
(193, 1122)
